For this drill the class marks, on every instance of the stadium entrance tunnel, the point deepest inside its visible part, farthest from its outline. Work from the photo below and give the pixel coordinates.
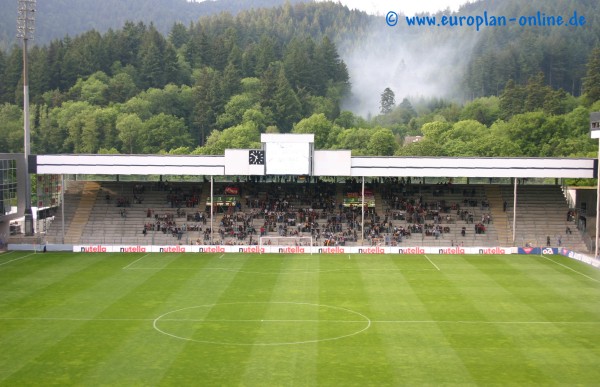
(261, 323)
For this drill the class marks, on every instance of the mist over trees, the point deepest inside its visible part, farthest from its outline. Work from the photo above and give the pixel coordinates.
(220, 81)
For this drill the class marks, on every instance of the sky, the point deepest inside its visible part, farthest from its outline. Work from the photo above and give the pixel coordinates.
(408, 7)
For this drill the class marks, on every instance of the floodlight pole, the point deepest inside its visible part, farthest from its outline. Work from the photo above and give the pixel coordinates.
(362, 222)
(514, 226)
(595, 133)
(62, 207)
(597, 203)
(25, 29)
(212, 203)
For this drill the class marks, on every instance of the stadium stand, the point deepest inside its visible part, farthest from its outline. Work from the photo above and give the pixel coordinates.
(399, 213)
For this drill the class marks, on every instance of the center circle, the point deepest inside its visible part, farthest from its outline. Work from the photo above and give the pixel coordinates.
(261, 323)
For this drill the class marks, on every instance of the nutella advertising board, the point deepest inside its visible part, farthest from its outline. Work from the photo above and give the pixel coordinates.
(366, 250)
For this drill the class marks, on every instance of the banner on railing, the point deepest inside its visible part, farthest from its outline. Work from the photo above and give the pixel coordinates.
(580, 257)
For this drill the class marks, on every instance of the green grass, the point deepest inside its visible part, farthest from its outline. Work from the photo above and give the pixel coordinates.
(302, 320)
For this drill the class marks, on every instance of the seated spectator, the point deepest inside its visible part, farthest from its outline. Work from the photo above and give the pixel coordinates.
(479, 228)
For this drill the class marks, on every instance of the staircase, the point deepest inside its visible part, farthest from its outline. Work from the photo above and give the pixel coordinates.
(494, 197)
(379, 205)
(339, 194)
(82, 214)
(204, 198)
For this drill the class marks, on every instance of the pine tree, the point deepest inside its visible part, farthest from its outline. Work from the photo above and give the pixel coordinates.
(536, 92)
(512, 100)
(591, 83)
(387, 101)
(287, 107)
(209, 103)
(179, 35)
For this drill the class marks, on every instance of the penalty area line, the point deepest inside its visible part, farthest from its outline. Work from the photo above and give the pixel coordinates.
(16, 259)
(143, 256)
(434, 265)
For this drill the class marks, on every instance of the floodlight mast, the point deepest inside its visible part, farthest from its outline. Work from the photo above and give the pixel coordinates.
(25, 30)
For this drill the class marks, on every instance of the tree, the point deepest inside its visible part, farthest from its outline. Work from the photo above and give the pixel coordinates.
(179, 35)
(99, 130)
(163, 132)
(94, 91)
(298, 63)
(382, 143)
(130, 128)
(346, 119)
(536, 92)
(158, 60)
(512, 100)
(318, 125)
(121, 87)
(11, 130)
(461, 139)
(387, 101)
(265, 54)
(209, 103)
(235, 109)
(485, 110)
(355, 139)
(13, 71)
(591, 83)
(405, 111)
(242, 136)
(2, 68)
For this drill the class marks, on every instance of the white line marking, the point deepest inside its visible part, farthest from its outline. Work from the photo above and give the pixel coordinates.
(273, 320)
(348, 256)
(290, 271)
(71, 319)
(74, 319)
(9, 253)
(145, 255)
(16, 259)
(365, 320)
(222, 255)
(480, 322)
(432, 263)
(567, 267)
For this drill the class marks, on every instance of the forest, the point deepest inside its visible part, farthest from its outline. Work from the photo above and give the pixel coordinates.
(220, 81)
(58, 18)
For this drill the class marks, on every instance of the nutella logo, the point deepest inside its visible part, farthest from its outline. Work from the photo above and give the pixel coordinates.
(170, 249)
(292, 250)
(411, 250)
(216, 249)
(133, 249)
(455, 250)
(252, 250)
(93, 249)
(372, 250)
(495, 250)
(331, 250)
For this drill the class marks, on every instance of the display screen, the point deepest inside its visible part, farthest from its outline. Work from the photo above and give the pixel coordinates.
(288, 158)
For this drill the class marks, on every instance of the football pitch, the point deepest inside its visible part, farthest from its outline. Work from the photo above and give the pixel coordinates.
(135, 319)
